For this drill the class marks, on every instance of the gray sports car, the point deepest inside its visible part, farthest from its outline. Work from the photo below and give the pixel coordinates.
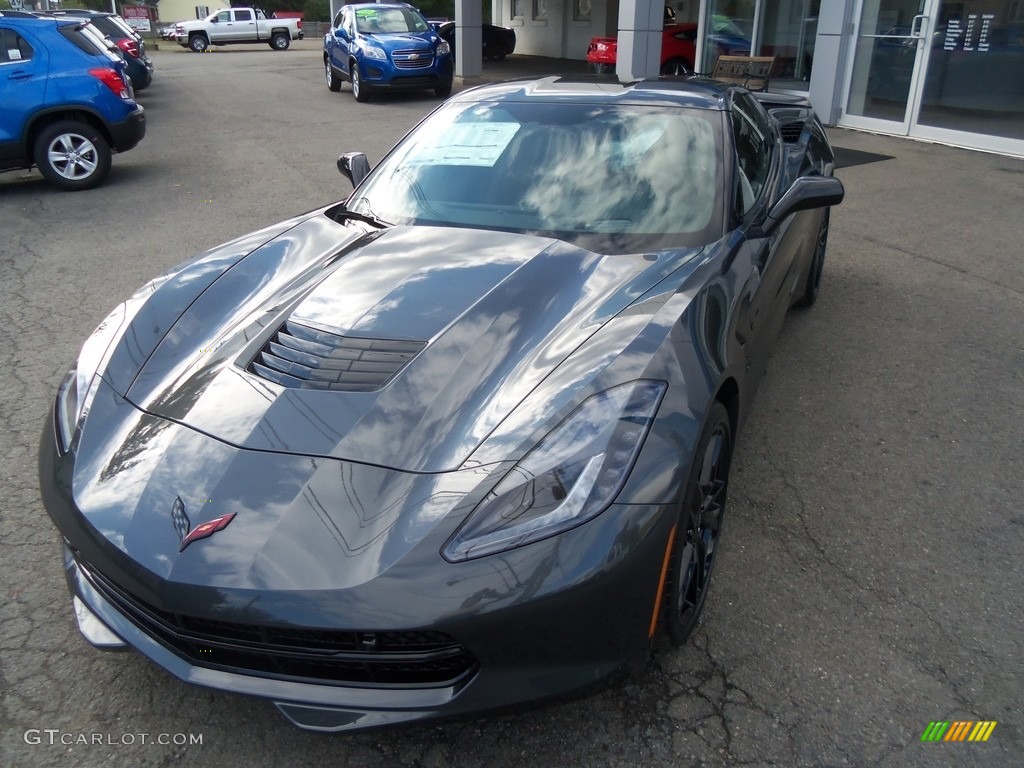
(462, 440)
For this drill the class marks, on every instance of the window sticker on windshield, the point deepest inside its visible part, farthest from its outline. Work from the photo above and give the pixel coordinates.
(476, 144)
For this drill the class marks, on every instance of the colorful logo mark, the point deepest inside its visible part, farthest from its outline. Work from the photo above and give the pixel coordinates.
(958, 730)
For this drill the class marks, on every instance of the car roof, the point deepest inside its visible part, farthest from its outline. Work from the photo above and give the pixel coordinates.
(378, 5)
(39, 19)
(692, 92)
(79, 12)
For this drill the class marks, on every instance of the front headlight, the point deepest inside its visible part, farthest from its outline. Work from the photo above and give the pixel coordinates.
(443, 49)
(570, 477)
(373, 52)
(78, 388)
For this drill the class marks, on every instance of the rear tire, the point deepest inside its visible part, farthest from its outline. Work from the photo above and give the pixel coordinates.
(813, 284)
(676, 67)
(700, 523)
(72, 155)
(198, 44)
(333, 81)
(280, 41)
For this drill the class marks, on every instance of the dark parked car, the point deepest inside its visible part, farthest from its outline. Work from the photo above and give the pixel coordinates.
(129, 42)
(464, 439)
(379, 46)
(67, 102)
(498, 42)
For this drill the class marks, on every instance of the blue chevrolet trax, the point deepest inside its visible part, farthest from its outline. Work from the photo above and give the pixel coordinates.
(67, 103)
(378, 46)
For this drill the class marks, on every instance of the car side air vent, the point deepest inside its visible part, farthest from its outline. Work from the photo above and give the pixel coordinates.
(300, 357)
(791, 132)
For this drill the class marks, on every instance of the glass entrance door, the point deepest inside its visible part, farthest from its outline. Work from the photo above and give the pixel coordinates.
(887, 63)
(947, 70)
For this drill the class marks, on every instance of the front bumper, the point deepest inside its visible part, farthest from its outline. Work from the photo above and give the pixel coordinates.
(553, 617)
(385, 76)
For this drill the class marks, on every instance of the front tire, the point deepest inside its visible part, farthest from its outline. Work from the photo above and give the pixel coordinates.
(699, 526)
(813, 285)
(280, 41)
(359, 90)
(198, 43)
(333, 81)
(72, 155)
(443, 91)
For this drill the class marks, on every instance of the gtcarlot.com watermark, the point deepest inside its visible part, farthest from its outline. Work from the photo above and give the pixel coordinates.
(54, 736)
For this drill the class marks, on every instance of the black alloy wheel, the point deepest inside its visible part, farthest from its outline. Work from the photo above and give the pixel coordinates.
(676, 67)
(699, 526)
(813, 285)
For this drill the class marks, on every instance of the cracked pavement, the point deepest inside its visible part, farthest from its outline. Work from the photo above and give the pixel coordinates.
(869, 579)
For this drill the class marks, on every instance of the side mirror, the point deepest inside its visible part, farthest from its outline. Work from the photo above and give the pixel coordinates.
(215, 20)
(354, 166)
(806, 193)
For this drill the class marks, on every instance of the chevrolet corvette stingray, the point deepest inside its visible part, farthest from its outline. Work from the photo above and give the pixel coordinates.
(462, 440)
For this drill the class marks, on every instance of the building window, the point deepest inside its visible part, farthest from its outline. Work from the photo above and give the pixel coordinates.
(518, 9)
(540, 10)
(581, 10)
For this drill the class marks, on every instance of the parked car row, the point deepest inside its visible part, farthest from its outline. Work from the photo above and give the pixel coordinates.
(129, 42)
(69, 132)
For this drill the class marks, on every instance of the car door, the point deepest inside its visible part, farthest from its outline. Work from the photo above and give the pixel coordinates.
(243, 25)
(221, 27)
(758, 169)
(341, 39)
(23, 69)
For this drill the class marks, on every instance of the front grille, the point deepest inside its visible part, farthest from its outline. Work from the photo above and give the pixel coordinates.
(408, 659)
(301, 357)
(413, 59)
(791, 132)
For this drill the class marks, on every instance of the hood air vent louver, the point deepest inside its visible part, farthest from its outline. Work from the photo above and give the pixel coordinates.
(300, 357)
(791, 132)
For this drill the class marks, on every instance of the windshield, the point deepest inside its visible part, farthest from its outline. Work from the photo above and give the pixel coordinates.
(629, 176)
(389, 20)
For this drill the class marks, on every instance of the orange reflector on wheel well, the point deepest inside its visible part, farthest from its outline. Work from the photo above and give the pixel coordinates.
(661, 582)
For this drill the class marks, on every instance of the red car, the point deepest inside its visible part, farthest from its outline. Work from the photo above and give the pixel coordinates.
(678, 50)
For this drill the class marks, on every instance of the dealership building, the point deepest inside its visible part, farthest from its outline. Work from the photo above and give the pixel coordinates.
(932, 69)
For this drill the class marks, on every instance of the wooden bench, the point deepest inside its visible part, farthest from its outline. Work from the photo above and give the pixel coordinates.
(751, 72)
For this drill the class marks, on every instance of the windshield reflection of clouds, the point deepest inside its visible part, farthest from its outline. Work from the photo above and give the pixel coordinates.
(560, 168)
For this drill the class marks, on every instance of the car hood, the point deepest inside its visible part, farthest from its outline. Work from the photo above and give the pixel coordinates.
(483, 318)
(397, 40)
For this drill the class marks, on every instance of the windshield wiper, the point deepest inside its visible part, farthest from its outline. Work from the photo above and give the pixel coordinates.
(369, 218)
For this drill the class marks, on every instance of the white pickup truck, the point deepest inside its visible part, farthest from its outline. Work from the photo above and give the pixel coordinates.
(229, 26)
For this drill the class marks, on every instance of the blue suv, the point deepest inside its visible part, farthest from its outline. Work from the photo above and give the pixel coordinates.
(67, 102)
(378, 46)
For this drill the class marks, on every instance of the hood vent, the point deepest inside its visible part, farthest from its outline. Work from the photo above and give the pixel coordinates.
(791, 132)
(300, 357)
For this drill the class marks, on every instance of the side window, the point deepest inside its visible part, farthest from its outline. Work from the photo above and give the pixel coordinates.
(224, 16)
(338, 21)
(245, 15)
(750, 128)
(13, 47)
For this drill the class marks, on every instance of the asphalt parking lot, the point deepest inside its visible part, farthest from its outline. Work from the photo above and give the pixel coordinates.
(870, 579)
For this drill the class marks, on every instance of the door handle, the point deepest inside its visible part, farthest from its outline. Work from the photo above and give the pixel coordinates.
(916, 25)
(19, 75)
